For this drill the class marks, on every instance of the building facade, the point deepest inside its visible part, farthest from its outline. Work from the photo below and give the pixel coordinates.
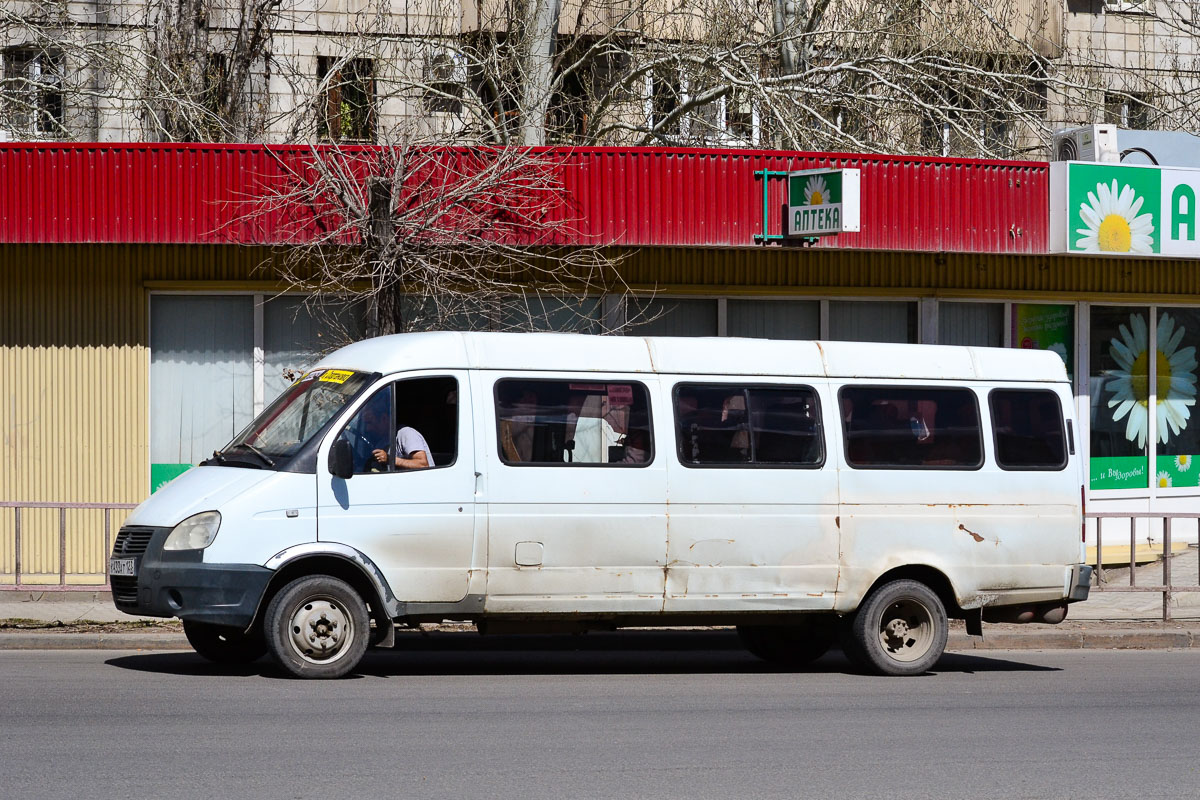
(143, 322)
(685, 72)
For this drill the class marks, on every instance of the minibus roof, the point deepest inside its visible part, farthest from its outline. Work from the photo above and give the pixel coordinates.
(567, 352)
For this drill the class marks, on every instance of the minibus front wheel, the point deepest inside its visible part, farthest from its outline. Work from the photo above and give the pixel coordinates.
(900, 629)
(317, 627)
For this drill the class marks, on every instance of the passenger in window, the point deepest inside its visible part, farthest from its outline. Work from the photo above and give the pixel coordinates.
(518, 414)
(637, 446)
(954, 441)
(733, 418)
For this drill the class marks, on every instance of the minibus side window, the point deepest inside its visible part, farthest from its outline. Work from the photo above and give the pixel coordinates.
(902, 427)
(1028, 429)
(573, 423)
(723, 425)
(405, 417)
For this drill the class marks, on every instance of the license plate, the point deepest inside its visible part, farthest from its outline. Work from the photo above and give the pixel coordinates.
(122, 566)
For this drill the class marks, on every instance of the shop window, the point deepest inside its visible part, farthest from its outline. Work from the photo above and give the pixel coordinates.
(1118, 386)
(204, 387)
(977, 324)
(573, 423)
(33, 91)
(774, 319)
(1143, 397)
(1046, 326)
(765, 426)
(1175, 372)
(911, 428)
(1028, 429)
(347, 109)
(671, 317)
(872, 321)
(409, 421)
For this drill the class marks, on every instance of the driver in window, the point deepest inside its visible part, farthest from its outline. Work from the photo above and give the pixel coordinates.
(412, 452)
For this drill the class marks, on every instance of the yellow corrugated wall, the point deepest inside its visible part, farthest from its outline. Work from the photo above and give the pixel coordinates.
(74, 337)
(74, 367)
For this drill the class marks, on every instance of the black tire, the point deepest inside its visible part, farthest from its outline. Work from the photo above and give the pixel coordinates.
(789, 645)
(223, 645)
(317, 627)
(900, 629)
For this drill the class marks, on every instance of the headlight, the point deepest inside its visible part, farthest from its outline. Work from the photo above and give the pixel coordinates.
(194, 533)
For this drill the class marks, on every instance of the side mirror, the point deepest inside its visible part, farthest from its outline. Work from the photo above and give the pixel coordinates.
(341, 459)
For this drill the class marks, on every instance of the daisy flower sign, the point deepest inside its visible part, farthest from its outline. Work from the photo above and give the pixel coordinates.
(822, 202)
(1116, 209)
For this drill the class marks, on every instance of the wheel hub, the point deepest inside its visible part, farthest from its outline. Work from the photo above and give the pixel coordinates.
(906, 630)
(320, 629)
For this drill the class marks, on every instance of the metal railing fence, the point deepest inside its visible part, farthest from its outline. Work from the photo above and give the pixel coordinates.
(18, 571)
(1167, 587)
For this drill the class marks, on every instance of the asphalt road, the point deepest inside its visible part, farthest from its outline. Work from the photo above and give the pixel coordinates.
(657, 718)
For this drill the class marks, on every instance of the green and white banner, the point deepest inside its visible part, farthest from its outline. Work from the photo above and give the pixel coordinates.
(1116, 209)
(822, 202)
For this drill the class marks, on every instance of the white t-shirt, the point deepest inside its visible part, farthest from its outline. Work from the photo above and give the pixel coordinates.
(408, 441)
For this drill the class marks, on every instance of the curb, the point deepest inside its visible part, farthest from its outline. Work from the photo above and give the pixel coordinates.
(1130, 639)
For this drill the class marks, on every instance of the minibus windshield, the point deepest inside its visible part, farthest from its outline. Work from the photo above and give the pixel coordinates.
(280, 431)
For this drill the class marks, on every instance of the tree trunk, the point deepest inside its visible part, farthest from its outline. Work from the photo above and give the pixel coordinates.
(541, 29)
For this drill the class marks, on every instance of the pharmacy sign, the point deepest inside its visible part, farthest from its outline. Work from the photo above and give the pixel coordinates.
(1117, 209)
(822, 202)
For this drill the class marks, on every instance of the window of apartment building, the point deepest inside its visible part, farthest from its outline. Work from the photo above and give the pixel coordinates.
(33, 91)
(215, 88)
(665, 95)
(217, 360)
(445, 74)
(347, 112)
(1131, 110)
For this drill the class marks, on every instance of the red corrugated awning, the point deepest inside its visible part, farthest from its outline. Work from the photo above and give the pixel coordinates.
(195, 193)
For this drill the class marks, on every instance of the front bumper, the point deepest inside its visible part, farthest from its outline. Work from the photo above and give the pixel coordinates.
(179, 584)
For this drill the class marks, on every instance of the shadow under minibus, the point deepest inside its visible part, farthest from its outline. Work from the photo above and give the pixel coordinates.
(639, 652)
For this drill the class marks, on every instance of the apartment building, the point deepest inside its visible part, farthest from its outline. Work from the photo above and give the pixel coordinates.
(940, 78)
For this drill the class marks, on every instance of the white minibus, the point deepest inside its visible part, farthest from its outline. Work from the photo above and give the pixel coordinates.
(812, 494)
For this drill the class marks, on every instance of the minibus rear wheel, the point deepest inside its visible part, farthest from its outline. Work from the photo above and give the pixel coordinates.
(223, 645)
(900, 629)
(317, 627)
(788, 645)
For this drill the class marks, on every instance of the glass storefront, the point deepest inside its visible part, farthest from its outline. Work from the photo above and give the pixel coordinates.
(1142, 387)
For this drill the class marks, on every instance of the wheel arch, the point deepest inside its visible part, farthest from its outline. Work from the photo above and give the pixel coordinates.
(344, 563)
(932, 577)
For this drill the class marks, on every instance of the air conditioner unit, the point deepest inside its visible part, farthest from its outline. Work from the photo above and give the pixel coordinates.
(1090, 143)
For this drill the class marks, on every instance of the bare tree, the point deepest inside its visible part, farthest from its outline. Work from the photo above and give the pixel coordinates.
(431, 237)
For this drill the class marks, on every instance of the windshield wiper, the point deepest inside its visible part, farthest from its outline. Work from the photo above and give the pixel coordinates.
(266, 458)
(217, 456)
